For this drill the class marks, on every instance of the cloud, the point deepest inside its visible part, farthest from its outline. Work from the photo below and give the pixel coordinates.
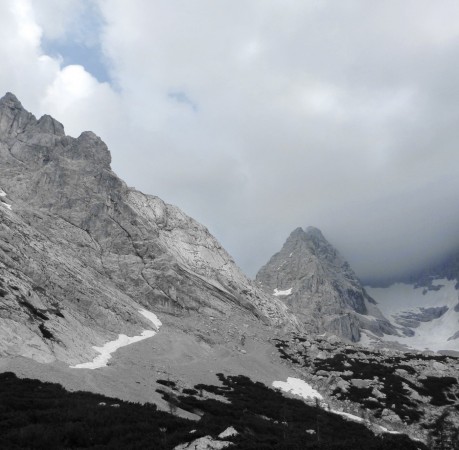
(256, 117)
(42, 82)
(181, 97)
(62, 19)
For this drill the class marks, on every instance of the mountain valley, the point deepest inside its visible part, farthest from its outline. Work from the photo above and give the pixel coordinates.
(108, 290)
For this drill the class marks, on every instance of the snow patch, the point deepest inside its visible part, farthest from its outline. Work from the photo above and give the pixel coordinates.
(298, 387)
(385, 430)
(358, 419)
(110, 347)
(151, 317)
(348, 416)
(278, 293)
(3, 194)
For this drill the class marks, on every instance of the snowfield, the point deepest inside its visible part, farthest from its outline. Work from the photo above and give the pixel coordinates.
(298, 387)
(435, 334)
(110, 347)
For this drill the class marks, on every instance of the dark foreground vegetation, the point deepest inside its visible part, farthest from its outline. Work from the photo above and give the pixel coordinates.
(36, 415)
(265, 419)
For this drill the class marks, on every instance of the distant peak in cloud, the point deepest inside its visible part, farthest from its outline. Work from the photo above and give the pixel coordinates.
(256, 119)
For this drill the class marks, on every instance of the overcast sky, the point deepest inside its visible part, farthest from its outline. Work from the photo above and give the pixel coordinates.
(259, 116)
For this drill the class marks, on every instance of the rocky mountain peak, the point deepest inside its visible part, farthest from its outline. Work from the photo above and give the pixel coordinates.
(89, 146)
(9, 100)
(13, 117)
(40, 142)
(49, 125)
(309, 247)
(319, 286)
(315, 232)
(297, 233)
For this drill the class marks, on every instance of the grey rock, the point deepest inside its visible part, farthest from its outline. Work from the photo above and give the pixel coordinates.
(438, 366)
(454, 336)
(378, 394)
(412, 319)
(390, 416)
(361, 384)
(230, 431)
(343, 385)
(204, 443)
(408, 332)
(319, 286)
(81, 253)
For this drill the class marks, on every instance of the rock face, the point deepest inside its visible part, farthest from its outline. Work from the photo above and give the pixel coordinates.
(204, 443)
(319, 286)
(81, 253)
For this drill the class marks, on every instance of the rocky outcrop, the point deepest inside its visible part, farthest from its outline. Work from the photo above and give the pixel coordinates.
(405, 392)
(204, 443)
(319, 286)
(81, 253)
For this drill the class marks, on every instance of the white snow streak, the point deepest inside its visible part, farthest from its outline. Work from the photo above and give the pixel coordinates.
(348, 416)
(354, 418)
(3, 194)
(278, 293)
(385, 430)
(110, 347)
(298, 387)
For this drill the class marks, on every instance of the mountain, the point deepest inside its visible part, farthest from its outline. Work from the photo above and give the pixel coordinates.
(108, 290)
(84, 258)
(319, 286)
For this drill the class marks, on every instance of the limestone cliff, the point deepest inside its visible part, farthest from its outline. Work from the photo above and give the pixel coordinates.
(81, 252)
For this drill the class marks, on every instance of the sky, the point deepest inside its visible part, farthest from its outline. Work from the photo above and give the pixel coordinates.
(259, 116)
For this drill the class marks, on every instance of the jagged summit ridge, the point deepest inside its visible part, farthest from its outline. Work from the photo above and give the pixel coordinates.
(11, 101)
(81, 253)
(320, 287)
(47, 136)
